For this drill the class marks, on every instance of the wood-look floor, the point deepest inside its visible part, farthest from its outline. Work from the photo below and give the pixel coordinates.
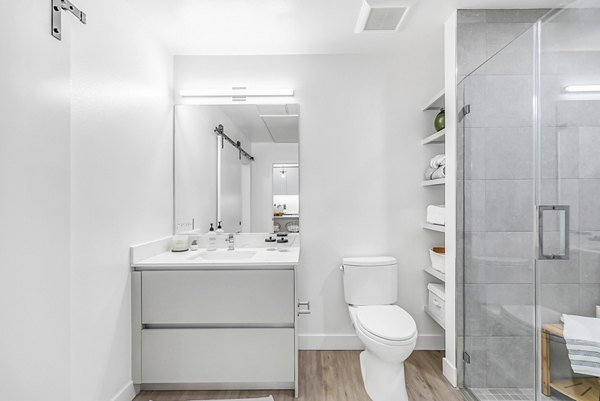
(335, 376)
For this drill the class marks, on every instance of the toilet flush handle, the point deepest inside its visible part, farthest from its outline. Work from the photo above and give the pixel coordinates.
(341, 267)
(303, 311)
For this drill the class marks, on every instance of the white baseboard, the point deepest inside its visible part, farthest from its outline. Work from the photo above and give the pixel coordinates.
(450, 372)
(426, 342)
(329, 342)
(127, 393)
(351, 342)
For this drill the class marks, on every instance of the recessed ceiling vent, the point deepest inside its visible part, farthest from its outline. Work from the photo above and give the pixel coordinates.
(380, 15)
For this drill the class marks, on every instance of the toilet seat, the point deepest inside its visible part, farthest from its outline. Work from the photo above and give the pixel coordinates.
(389, 324)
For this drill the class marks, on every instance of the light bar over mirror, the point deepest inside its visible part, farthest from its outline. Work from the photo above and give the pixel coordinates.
(238, 91)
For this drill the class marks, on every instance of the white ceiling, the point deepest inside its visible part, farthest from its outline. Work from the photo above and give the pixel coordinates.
(266, 123)
(245, 27)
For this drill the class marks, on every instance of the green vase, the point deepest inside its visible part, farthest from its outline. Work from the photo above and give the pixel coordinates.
(440, 121)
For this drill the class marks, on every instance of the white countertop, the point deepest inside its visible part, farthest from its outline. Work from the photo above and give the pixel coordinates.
(192, 260)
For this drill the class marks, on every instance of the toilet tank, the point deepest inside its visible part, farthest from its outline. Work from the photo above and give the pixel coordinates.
(370, 280)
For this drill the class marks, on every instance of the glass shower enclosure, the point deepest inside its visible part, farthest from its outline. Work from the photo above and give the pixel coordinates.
(529, 202)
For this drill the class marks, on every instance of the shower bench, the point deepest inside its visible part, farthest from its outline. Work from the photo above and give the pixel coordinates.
(579, 389)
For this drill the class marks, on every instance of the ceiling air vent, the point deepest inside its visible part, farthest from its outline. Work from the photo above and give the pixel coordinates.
(380, 15)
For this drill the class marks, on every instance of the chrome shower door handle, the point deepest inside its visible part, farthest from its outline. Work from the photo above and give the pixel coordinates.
(563, 232)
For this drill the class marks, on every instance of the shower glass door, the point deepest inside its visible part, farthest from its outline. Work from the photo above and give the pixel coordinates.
(529, 143)
(498, 135)
(568, 181)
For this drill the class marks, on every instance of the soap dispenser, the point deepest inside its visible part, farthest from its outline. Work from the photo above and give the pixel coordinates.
(220, 229)
(212, 239)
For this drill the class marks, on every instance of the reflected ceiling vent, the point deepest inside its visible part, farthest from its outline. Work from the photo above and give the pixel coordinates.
(380, 15)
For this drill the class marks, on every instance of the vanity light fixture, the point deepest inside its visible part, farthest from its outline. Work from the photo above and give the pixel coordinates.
(582, 88)
(238, 92)
(278, 115)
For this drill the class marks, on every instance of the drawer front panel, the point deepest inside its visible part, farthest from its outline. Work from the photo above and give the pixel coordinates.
(218, 297)
(218, 355)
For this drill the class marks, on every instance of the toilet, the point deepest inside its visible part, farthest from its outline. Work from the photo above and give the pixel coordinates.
(387, 331)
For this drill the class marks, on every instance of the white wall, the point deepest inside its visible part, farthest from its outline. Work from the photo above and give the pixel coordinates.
(361, 166)
(121, 174)
(262, 180)
(451, 146)
(34, 206)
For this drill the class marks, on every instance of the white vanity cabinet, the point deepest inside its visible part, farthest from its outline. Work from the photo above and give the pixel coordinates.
(215, 328)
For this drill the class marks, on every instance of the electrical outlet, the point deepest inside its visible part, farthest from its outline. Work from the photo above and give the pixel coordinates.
(184, 225)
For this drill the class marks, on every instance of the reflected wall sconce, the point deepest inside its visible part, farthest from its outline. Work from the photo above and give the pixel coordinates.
(582, 88)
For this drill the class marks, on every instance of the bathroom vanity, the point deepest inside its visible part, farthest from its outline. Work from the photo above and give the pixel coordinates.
(214, 319)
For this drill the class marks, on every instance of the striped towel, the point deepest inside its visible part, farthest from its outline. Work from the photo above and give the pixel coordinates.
(582, 335)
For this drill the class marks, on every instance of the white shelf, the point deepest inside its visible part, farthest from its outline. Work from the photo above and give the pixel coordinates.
(434, 227)
(429, 183)
(435, 273)
(287, 216)
(437, 102)
(435, 318)
(438, 137)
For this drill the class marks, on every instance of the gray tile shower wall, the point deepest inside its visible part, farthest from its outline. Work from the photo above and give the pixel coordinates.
(570, 163)
(482, 33)
(497, 268)
(497, 165)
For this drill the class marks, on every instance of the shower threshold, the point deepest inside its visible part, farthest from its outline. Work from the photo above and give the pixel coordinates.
(510, 394)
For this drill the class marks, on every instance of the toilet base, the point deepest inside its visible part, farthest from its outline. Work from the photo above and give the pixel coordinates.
(384, 381)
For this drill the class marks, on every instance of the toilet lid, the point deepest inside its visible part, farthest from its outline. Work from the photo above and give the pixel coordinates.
(389, 322)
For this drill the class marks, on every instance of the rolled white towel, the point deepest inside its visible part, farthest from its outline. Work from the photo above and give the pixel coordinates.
(582, 335)
(438, 161)
(429, 172)
(439, 173)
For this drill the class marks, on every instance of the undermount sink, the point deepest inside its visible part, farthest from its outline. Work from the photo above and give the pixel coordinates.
(224, 255)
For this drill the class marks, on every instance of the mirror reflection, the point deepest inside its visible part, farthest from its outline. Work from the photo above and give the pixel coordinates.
(286, 198)
(236, 165)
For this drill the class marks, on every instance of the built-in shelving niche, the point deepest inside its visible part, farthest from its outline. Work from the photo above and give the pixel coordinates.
(436, 103)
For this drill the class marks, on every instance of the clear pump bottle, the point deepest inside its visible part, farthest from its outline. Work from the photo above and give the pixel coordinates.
(212, 239)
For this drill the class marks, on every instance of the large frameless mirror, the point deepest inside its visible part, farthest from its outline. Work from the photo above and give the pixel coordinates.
(236, 165)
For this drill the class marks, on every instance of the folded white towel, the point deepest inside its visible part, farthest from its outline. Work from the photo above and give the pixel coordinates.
(438, 161)
(436, 214)
(582, 335)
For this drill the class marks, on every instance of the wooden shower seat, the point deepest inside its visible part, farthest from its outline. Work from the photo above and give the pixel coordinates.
(579, 389)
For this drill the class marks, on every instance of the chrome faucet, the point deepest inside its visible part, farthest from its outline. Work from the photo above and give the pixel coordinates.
(231, 242)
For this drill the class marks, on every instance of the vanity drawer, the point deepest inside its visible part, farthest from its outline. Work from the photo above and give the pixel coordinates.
(218, 356)
(225, 297)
